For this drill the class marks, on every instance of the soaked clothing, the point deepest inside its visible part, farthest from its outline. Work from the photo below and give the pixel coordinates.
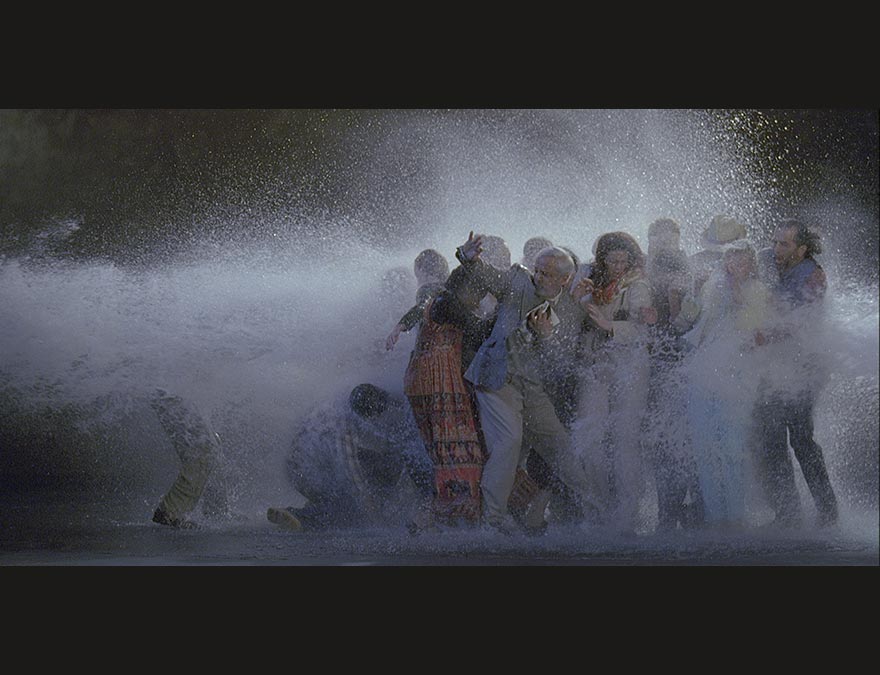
(509, 373)
(198, 448)
(804, 283)
(702, 264)
(668, 274)
(357, 472)
(723, 370)
(614, 371)
(785, 421)
(424, 295)
(667, 441)
(511, 351)
(785, 411)
(443, 406)
(668, 446)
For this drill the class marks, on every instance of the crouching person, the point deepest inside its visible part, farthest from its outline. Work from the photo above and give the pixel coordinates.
(359, 461)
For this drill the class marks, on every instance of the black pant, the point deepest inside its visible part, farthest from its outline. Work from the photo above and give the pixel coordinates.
(668, 446)
(563, 502)
(782, 421)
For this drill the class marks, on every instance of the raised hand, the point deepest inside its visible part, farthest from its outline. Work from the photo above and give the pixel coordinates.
(583, 290)
(472, 248)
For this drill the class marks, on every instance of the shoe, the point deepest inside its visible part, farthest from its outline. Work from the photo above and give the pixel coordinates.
(533, 521)
(162, 517)
(422, 521)
(536, 530)
(284, 518)
(416, 528)
(505, 525)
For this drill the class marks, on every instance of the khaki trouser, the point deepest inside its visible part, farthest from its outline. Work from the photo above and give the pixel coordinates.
(519, 411)
(198, 448)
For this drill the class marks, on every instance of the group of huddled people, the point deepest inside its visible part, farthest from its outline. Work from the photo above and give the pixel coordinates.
(555, 391)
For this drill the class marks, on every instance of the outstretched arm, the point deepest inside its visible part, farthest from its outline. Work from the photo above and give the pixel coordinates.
(393, 336)
(407, 322)
(493, 280)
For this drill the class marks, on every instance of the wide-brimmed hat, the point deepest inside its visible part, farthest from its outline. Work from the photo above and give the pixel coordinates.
(723, 230)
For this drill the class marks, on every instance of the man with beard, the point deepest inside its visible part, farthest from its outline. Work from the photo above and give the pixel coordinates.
(785, 412)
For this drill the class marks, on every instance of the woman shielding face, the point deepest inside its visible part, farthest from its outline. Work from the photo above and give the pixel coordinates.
(617, 262)
(739, 265)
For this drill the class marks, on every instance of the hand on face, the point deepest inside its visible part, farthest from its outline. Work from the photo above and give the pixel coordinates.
(583, 290)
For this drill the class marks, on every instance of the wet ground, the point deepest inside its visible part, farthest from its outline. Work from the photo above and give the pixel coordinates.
(50, 538)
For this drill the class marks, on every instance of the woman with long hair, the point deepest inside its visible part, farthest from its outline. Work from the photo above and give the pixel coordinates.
(605, 465)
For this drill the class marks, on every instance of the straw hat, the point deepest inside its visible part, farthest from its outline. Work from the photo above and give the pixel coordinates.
(723, 230)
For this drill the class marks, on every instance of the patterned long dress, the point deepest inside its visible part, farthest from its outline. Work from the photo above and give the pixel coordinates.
(444, 410)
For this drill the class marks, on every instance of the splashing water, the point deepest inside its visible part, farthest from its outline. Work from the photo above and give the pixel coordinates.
(256, 329)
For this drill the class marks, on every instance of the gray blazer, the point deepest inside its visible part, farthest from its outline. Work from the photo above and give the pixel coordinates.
(511, 348)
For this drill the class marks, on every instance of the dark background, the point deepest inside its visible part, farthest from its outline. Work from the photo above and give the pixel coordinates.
(135, 178)
(139, 183)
